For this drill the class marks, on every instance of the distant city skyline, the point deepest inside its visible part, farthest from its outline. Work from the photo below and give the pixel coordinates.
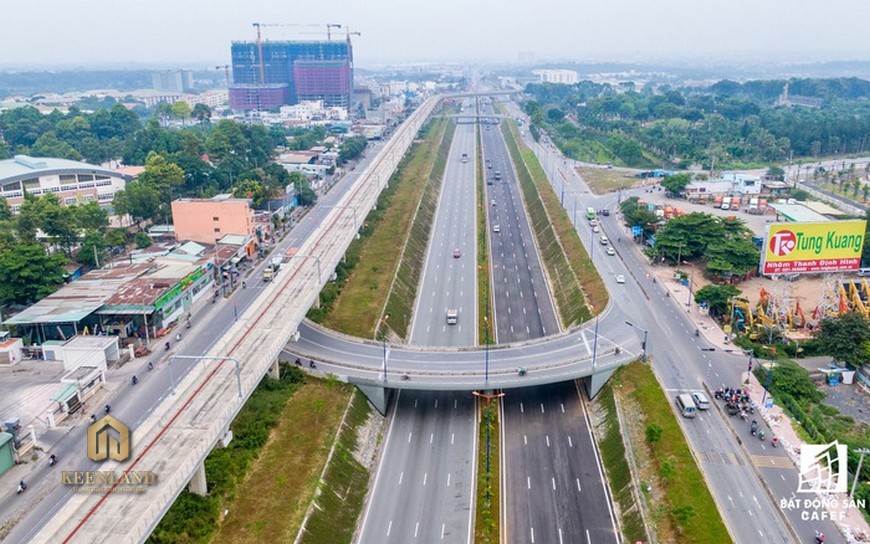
(107, 33)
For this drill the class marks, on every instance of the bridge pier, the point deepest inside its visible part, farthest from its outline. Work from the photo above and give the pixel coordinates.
(595, 382)
(275, 370)
(378, 396)
(198, 483)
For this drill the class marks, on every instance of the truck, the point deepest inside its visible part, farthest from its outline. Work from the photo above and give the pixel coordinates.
(452, 316)
(726, 203)
(274, 266)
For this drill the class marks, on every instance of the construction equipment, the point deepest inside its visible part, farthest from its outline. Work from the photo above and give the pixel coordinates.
(328, 32)
(226, 69)
(260, 53)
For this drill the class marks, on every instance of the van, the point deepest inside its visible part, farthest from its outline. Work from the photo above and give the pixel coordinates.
(863, 272)
(604, 240)
(686, 405)
(701, 400)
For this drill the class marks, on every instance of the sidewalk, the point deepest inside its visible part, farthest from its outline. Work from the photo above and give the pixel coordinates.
(855, 527)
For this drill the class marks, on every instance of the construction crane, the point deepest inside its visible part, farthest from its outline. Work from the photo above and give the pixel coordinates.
(260, 53)
(328, 32)
(226, 69)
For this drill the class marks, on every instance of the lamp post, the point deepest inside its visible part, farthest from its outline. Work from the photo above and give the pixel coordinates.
(486, 349)
(645, 337)
(316, 259)
(595, 345)
(207, 358)
(691, 282)
(489, 398)
(384, 342)
(348, 207)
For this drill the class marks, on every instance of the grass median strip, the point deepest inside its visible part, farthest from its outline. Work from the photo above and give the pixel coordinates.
(484, 299)
(486, 522)
(682, 508)
(355, 305)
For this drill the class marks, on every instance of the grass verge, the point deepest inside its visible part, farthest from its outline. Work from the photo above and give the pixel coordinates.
(404, 289)
(275, 403)
(578, 290)
(486, 520)
(682, 507)
(353, 303)
(606, 180)
(608, 431)
(344, 485)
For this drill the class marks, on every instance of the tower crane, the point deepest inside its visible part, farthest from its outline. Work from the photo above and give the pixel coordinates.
(328, 32)
(260, 53)
(226, 69)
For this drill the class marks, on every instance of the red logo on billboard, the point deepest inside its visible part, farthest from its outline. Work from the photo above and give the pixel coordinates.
(782, 243)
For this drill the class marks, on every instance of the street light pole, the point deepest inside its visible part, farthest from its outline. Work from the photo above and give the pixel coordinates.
(645, 337)
(384, 342)
(691, 282)
(595, 345)
(486, 349)
(207, 358)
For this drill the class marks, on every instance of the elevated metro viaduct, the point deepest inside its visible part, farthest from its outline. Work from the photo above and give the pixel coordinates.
(178, 434)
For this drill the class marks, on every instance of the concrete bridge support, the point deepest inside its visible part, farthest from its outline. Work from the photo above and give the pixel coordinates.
(198, 484)
(275, 370)
(377, 395)
(595, 382)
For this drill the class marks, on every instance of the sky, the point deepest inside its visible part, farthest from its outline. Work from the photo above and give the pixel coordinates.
(196, 33)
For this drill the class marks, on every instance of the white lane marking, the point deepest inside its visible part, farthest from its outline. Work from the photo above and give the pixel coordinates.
(561, 541)
(548, 440)
(554, 483)
(562, 404)
(578, 484)
(389, 527)
(525, 440)
(542, 407)
(522, 410)
(452, 437)
(401, 477)
(415, 403)
(442, 531)
(455, 401)
(436, 403)
(431, 437)
(448, 479)
(570, 442)
(425, 478)
(528, 483)
(409, 436)
(416, 529)
(532, 529)
(588, 538)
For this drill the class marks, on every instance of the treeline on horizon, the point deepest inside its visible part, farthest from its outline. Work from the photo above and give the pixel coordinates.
(31, 83)
(729, 124)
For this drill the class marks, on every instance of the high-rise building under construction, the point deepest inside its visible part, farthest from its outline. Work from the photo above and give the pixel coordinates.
(290, 72)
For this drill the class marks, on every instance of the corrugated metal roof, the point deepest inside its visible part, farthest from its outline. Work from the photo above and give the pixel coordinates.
(66, 393)
(23, 166)
(798, 213)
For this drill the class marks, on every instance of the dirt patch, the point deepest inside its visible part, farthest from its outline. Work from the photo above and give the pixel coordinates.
(607, 180)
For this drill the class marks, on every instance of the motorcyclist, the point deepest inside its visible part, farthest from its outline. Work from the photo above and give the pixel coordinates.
(167, 346)
(52, 459)
(108, 408)
(135, 380)
(697, 332)
(178, 337)
(93, 418)
(820, 537)
(150, 366)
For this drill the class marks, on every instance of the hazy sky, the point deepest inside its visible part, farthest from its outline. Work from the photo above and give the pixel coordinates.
(88, 33)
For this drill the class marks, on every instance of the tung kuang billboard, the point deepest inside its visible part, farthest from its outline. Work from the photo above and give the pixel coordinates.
(803, 248)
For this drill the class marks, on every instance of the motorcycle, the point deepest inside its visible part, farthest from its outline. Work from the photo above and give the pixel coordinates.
(93, 418)
(108, 408)
(820, 537)
(135, 380)
(405, 377)
(761, 435)
(774, 441)
(150, 366)
(697, 332)
(52, 460)
(21, 487)
(167, 346)
(188, 324)
(178, 337)
(312, 364)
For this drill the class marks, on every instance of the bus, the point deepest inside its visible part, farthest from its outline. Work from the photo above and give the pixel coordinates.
(590, 213)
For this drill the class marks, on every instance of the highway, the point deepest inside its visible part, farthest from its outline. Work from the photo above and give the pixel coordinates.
(424, 485)
(729, 466)
(553, 487)
(187, 407)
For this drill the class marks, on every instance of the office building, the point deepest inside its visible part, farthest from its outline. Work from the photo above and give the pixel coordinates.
(172, 81)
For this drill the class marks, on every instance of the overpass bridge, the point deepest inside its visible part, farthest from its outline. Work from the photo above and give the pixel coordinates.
(175, 438)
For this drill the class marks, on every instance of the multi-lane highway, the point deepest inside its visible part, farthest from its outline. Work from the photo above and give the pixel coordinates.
(554, 490)
(423, 489)
(749, 507)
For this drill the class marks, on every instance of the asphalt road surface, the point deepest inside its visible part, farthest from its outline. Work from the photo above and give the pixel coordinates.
(554, 489)
(423, 490)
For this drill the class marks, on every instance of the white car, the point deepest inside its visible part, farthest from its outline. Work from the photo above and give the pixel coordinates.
(620, 278)
(611, 251)
(596, 228)
(496, 228)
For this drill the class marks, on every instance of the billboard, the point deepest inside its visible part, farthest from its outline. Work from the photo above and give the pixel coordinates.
(801, 248)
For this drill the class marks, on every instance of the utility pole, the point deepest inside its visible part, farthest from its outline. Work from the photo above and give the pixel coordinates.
(863, 452)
